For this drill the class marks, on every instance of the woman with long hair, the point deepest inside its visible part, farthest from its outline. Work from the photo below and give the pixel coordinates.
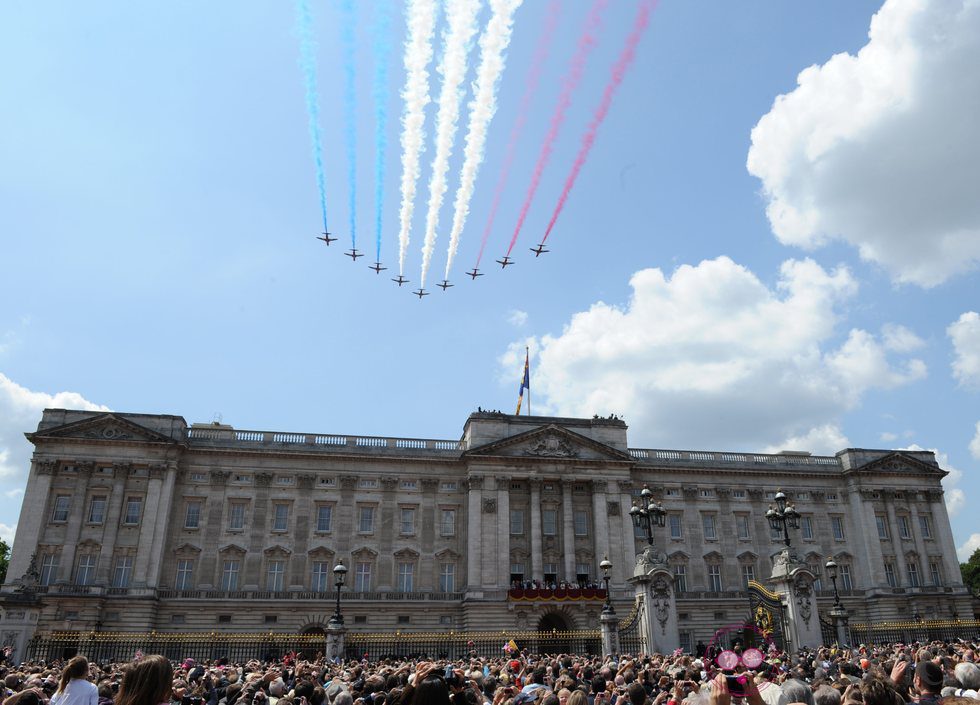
(74, 687)
(146, 682)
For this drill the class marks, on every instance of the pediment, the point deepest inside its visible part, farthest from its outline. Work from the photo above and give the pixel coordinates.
(900, 462)
(232, 548)
(448, 554)
(104, 427)
(186, 548)
(406, 553)
(550, 442)
(320, 552)
(277, 550)
(747, 555)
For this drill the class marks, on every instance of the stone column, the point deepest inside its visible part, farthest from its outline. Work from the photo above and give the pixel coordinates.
(120, 471)
(793, 580)
(32, 520)
(148, 525)
(626, 527)
(925, 577)
(870, 573)
(609, 624)
(334, 647)
(537, 569)
(901, 576)
(944, 535)
(654, 585)
(503, 531)
(161, 521)
(474, 533)
(386, 529)
(75, 517)
(600, 525)
(568, 529)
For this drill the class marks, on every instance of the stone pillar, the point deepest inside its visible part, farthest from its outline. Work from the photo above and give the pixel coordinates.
(503, 531)
(654, 585)
(626, 527)
(944, 535)
(161, 520)
(120, 471)
(793, 580)
(870, 573)
(609, 625)
(75, 516)
(334, 647)
(148, 525)
(30, 522)
(925, 578)
(568, 529)
(474, 533)
(19, 625)
(537, 569)
(600, 525)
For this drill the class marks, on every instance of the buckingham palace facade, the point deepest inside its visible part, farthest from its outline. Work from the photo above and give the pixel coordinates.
(140, 522)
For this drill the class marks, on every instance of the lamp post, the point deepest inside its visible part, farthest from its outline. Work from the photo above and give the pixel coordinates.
(648, 514)
(339, 574)
(606, 566)
(839, 612)
(783, 516)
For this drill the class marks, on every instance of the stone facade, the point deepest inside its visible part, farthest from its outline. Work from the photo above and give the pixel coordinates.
(135, 522)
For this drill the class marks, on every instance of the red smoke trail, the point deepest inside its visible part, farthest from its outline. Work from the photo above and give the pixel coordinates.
(585, 44)
(618, 72)
(530, 89)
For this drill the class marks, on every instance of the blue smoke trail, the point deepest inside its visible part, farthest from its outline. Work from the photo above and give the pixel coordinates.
(379, 92)
(350, 114)
(307, 62)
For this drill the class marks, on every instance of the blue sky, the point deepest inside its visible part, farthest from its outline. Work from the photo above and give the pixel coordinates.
(158, 211)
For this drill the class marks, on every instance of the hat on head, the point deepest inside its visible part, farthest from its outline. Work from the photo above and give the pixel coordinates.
(929, 673)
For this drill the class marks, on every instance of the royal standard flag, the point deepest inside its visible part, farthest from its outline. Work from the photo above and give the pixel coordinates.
(525, 382)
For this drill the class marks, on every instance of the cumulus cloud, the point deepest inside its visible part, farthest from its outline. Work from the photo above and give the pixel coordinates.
(880, 149)
(713, 357)
(517, 318)
(7, 533)
(965, 334)
(822, 440)
(900, 339)
(20, 411)
(969, 546)
(887, 437)
(975, 444)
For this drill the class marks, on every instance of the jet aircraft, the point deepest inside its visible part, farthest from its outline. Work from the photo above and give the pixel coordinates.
(420, 293)
(445, 284)
(539, 250)
(399, 280)
(377, 267)
(505, 261)
(353, 254)
(475, 273)
(326, 238)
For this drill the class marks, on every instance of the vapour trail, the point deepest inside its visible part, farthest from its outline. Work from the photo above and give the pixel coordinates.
(350, 113)
(570, 82)
(307, 63)
(379, 93)
(418, 53)
(461, 17)
(530, 90)
(493, 44)
(619, 70)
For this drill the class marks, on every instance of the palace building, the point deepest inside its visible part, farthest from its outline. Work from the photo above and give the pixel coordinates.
(141, 522)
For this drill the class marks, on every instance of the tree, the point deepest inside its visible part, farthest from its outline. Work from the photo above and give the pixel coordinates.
(971, 572)
(4, 560)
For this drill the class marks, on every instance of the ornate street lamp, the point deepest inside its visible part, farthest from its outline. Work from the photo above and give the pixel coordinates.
(339, 574)
(648, 514)
(831, 568)
(606, 566)
(839, 612)
(783, 516)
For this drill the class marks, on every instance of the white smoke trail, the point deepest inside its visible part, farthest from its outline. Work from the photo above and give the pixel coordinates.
(461, 16)
(493, 44)
(418, 53)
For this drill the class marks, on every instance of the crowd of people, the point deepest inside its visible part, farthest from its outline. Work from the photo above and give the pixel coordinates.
(553, 585)
(895, 674)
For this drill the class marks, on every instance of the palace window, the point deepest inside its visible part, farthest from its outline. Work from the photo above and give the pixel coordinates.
(748, 573)
(738, 494)
(122, 572)
(935, 571)
(365, 522)
(236, 516)
(274, 576)
(407, 525)
(192, 515)
(742, 526)
(882, 525)
(806, 528)
(85, 570)
(517, 572)
(549, 522)
(837, 525)
(447, 577)
(714, 577)
(49, 569)
(410, 484)
(134, 509)
(706, 493)
(447, 525)
(96, 509)
(550, 573)
(406, 577)
(229, 575)
(582, 572)
(61, 504)
(672, 492)
(280, 519)
(680, 578)
(516, 522)
(925, 526)
(904, 528)
(324, 514)
(362, 577)
(675, 526)
(844, 571)
(708, 522)
(448, 486)
(890, 574)
(320, 576)
(913, 571)
(581, 519)
(185, 575)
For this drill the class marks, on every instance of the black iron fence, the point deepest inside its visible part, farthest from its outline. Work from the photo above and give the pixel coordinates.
(454, 645)
(907, 632)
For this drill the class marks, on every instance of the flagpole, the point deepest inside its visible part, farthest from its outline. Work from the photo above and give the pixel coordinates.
(527, 356)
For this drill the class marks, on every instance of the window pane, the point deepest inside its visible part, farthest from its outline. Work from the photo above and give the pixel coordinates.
(229, 575)
(925, 527)
(838, 526)
(516, 521)
(407, 521)
(448, 525)
(708, 521)
(49, 569)
(406, 575)
(61, 504)
(447, 577)
(192, 517)
(742, 524)
(96, 510)
(362, 577)
(85, 573)
(549, 522)
(675, 526)
(236, 516)
(320, 580)
(807, 528)
(366, 523)
(581, 522)
(680, 578)
(185, 575)
(134, 506)
(281, 519)
(122, 572)
(324, 515)
(274, 576)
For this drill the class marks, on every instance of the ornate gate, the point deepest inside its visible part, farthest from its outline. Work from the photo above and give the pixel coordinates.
(766, 613)
(630, 636)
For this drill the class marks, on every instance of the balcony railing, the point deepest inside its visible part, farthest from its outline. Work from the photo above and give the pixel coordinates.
(557, 594)
(701, 457)
(309, 595)
(319, 441)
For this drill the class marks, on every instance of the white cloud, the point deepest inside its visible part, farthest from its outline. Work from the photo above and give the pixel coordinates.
(7, 533)
(712, 357)
(975, 444)
(969, 546)
(517, 318)
(887, 437)
(20, 411)
(821, 440)
(880, 149)
(900, 339)
(965, 334)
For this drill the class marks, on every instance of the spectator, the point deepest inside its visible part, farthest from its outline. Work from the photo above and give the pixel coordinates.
(74, 687)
